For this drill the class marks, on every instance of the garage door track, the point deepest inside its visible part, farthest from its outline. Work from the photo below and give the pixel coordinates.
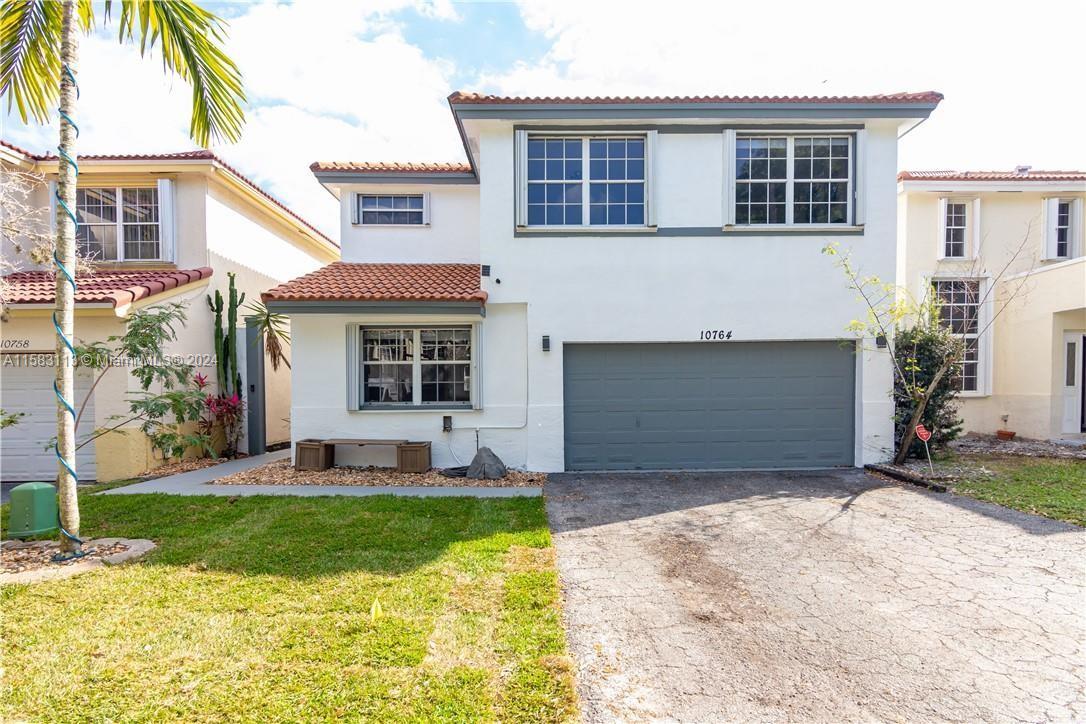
(815, 596)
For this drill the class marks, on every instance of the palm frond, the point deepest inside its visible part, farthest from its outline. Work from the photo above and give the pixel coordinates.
(192, 40)
(273, 328)
(30, 32)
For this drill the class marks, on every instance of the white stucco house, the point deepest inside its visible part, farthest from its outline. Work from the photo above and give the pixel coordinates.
(611, 284)
(1006, 253)
(159, 228)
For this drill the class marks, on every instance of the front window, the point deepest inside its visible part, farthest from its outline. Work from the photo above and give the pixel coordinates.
(959, 311)
(793, 180)
(954, 230)
(586, 181)
(1063, 229)
(423, 366)
(118, 224)
(392, 210)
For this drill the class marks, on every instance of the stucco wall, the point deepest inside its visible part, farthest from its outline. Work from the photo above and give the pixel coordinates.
(615, 287)
(1046, 298)
(452, 236)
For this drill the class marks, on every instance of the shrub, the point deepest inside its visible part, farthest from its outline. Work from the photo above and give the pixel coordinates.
(920, 351)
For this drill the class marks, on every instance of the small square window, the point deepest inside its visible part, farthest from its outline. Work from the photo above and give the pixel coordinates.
(392, 210)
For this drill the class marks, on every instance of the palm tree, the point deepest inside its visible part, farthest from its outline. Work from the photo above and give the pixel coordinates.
(39, 48)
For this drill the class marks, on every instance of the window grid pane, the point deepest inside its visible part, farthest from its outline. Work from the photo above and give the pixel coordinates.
(821, 170)
(1063, 228)
(761, 180)
(616, 171)
(959, 310)
(391, 363)
(392, 210)
(96, 231)
(555, 173)
(954, 238)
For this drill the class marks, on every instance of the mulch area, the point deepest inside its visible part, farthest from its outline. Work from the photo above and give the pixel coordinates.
(19, 556)
(283, 473)
(992, 445)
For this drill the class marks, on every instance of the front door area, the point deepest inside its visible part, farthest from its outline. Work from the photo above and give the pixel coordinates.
(1074, 383)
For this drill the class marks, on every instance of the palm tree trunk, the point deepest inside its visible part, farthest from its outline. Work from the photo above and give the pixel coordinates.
(65, 295)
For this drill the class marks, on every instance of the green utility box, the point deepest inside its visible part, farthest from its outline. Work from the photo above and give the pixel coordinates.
(33, 510)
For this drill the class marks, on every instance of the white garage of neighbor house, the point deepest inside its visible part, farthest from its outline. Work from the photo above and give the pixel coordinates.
(611, 284)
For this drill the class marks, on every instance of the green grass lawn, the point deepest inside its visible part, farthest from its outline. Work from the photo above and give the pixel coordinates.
(1054, 488)
(258, 608)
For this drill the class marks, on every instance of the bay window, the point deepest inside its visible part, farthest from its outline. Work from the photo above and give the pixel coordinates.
(415, 366)
(793, 180)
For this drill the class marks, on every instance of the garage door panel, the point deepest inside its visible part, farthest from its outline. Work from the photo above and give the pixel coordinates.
(782, 404)
(25, 450)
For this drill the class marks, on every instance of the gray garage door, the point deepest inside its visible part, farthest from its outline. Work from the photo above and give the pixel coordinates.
(708, 405)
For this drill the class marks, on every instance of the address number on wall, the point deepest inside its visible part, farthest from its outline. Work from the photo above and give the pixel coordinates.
(712, 335)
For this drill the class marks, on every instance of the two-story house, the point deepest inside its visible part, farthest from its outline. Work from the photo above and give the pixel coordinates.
(1004, 252)
(612, 283)
(158, 228)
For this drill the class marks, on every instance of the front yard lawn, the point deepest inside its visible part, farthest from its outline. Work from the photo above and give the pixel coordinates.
(259, 608)
(1052, 487)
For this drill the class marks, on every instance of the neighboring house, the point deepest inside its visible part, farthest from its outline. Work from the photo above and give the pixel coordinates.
(611, 283)
(160, 228)
(1005, 253)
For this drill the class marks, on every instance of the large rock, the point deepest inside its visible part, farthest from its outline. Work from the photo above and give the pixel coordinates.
(486, 466)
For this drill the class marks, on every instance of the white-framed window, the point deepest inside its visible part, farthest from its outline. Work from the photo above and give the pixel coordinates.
(960, 307)
(119, 224)
(954, 228)
(392, 209)
(431, 366)
(793, 179)
(584, 180)
(1063, 228)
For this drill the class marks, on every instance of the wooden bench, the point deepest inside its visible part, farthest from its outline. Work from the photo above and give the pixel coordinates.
(409, 455)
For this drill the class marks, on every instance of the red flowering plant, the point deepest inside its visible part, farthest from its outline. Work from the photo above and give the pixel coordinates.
(229, 412)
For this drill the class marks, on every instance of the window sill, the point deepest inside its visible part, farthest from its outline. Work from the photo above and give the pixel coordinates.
(770, 229)
(585, 229)
(392, 226)
(414, 408)
(974, 395)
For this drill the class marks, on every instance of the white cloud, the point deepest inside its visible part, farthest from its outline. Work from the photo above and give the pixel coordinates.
(325, 80)
(1011, 96)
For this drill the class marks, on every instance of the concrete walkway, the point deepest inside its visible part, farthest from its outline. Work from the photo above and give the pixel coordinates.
(199, 482)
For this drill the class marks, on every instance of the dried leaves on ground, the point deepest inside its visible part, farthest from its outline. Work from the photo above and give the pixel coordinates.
(990, 444)
(283, 473)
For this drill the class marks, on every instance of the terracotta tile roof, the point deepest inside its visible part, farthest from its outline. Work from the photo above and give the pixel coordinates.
(344, 281)
(377, 167)
(462, 98)
(118, 287)
(1029, 175)
(198, 155)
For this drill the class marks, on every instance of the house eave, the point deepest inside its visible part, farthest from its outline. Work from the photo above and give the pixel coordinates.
(652, 111)
(347, 306)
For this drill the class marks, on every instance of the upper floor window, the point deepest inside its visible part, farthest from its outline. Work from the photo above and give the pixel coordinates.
(793, 180)
(954, 229)
(959, 310)
(118, 224)
(597, 181)
(391, 209)
(1063, 228)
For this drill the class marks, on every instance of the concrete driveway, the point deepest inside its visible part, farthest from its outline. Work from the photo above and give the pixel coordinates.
(824, 596)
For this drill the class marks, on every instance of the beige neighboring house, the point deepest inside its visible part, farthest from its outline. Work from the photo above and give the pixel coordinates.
(1009, 247)
(162, 228)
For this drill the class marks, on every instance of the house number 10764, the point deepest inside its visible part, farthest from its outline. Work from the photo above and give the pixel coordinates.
(714, 334)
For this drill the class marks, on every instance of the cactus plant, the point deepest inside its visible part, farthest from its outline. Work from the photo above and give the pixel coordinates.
(226, 342)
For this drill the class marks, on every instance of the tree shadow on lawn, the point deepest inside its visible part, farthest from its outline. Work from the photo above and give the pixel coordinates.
(315, 537)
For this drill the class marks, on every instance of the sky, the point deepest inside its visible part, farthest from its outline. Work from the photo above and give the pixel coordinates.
(367, 81)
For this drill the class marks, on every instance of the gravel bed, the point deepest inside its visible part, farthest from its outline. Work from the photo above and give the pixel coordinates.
(184, 466)
(283, 473)
(19, 556)
(990, 444)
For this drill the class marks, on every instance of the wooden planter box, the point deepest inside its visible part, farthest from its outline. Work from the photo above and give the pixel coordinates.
(413, 457)
(313, 455)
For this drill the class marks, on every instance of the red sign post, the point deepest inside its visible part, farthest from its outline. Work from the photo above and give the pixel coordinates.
(925, 434)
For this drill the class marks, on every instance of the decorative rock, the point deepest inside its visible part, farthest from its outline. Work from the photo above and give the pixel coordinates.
(486, 466)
